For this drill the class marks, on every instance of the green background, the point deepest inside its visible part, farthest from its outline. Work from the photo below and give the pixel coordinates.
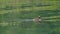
(11, 10)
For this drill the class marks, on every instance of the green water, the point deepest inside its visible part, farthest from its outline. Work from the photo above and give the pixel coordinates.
(49, 10)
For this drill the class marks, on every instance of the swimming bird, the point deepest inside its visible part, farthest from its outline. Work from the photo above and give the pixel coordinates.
(37, 19)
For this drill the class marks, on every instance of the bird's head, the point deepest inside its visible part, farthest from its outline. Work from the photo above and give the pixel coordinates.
(39, 16)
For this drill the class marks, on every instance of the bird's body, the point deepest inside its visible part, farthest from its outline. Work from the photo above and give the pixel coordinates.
(37, 19)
